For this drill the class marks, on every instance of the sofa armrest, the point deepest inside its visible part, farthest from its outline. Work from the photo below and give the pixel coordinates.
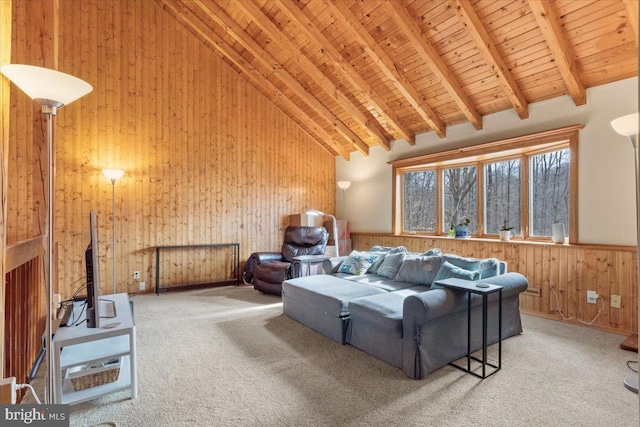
(255, 259)
(420, 308)
(434, 323)
(261, 257)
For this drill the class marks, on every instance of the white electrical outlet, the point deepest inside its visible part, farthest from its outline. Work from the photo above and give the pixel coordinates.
(143, 286)
(136, 275)
(592, 297)
(616, 301)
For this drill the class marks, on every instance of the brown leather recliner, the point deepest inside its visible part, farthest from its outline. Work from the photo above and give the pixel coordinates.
(267, 270)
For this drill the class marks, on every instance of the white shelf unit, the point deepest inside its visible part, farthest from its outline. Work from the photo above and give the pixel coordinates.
(78, 345)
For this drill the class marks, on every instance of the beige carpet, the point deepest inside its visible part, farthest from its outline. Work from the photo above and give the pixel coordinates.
(229, 357)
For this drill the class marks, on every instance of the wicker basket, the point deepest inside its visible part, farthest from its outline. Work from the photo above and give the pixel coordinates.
(100, 373)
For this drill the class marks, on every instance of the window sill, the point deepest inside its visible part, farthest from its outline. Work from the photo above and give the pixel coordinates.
(513, 241)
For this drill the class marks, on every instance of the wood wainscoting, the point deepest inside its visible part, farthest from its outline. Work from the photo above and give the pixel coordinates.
(559, 275)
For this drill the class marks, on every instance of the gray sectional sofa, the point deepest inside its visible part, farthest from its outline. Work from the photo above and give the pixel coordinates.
(385, 302)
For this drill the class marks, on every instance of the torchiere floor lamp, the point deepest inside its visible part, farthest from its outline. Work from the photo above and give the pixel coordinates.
(113, 175)
(315, 212)
(628, 126)
(52, 90)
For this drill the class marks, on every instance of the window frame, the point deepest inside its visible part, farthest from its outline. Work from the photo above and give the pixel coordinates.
(489, 152)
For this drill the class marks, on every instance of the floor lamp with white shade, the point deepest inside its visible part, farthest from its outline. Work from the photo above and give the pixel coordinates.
(344, 185)
(114, 175)
(52, 90)
(315, 212)
(628, 126)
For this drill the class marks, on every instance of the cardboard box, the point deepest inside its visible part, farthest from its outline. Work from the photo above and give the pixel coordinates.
(343, 229)
(305, 220)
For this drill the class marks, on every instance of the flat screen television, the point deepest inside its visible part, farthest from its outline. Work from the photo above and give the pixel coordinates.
(93, 274)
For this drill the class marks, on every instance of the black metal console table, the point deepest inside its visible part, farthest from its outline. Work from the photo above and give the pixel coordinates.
(236, 264)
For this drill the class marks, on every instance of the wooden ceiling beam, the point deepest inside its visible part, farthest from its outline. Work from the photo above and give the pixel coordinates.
(231, 28)
(288, 107)
(368, 45)
(425, 49)
(490, 53)
(561, 50)
(361, 87)
(273, 32)
(631, 7)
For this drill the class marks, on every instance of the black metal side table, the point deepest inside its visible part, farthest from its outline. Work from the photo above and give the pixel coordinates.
(483, 289)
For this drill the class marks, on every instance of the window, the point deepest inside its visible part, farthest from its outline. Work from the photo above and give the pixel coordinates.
(502, 201)
(460, 197)
(528, 183)
(420, 201)
(549, 191)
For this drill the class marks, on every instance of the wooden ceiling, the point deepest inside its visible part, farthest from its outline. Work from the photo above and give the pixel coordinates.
(356, 74)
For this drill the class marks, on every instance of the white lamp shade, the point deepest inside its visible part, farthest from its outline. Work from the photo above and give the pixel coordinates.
(314, 212)
(113, 174)
(626, 125)
(344, 184)
(46, 84)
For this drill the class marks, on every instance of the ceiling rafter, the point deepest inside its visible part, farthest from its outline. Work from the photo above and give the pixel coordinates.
(361, 87)
(490, 53)
(560, 49)
(231, 28)
(426, 50)
(183, 14)
(261, 20)
(631, 7)
(356, 74)
(340, 11)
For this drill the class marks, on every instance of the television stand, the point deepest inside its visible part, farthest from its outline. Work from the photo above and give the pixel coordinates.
(75, 346)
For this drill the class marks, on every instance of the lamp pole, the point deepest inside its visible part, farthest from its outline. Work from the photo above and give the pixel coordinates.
(114, 175)
(628, 126)
(52, 90)
(344, 185)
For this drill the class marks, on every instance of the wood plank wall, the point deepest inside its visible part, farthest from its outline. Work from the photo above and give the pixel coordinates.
(5, 104)
(569, 270)
(207, 158)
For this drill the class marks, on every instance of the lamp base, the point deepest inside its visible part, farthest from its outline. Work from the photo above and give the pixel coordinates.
(631, 383)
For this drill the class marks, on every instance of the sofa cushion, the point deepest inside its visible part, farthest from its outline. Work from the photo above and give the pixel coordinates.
(381, 282)
(391, 264)
(448, 271)
(488, 267)
(329, 294)
(357, 263)
(419, 271)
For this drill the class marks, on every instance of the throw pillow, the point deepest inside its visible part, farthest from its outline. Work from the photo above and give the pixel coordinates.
(432, 252)
(419, 271)
(449, 271)
(391, 264)
(488, 267)
(357, 263)
(377, 263)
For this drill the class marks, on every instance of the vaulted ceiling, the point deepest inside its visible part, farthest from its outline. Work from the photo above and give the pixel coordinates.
(357, 74)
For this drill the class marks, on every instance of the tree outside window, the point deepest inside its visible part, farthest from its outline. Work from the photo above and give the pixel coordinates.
(419, 210)
(502, 202)
(460, 197)
(549, 191)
